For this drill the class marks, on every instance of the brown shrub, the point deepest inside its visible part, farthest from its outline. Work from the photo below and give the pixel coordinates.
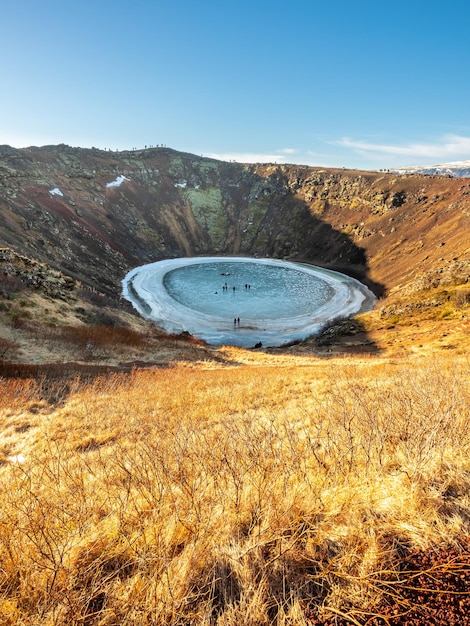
(8, 348)
(462, 298)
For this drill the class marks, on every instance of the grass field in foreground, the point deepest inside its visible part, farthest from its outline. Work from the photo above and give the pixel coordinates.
(258, 494)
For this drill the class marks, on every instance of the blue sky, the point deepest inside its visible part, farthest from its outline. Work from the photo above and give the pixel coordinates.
(364, 84)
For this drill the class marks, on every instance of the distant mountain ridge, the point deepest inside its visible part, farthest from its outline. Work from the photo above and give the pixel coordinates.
(457, 169)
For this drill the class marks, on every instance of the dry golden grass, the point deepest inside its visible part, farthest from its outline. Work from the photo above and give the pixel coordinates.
(250, 494)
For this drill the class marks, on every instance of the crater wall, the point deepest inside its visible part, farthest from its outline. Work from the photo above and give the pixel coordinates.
(95, 214)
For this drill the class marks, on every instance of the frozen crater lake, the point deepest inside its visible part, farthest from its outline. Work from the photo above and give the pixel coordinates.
(242, 301)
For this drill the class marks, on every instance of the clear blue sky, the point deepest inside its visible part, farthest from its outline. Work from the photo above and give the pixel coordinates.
(353, 83)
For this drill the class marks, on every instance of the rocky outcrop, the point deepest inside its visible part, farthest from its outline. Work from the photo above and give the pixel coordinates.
(31, 273)
(93, 215)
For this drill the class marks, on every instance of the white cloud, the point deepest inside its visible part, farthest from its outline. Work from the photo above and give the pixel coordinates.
(247, 157)
(449, 146)
(254, 157)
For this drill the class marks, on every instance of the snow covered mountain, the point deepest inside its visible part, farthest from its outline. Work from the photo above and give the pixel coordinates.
(458, 169)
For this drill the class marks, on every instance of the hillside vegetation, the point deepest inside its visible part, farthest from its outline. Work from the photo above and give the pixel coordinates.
(153, 479)
(93, 214)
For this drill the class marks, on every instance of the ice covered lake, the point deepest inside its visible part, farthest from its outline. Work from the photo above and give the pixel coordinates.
(243, 301)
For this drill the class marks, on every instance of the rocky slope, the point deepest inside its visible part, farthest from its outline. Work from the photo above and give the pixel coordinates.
(93, 215)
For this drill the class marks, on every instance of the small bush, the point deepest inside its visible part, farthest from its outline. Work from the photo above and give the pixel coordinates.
(10, 285)
(97, 317)
(8, 348)
(21, 321)
(96, 298)
(332, 328)
(462, 298)
(101, 336)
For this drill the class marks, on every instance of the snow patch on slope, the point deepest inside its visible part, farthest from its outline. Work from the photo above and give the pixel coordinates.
(17, 458)
(118, 182)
